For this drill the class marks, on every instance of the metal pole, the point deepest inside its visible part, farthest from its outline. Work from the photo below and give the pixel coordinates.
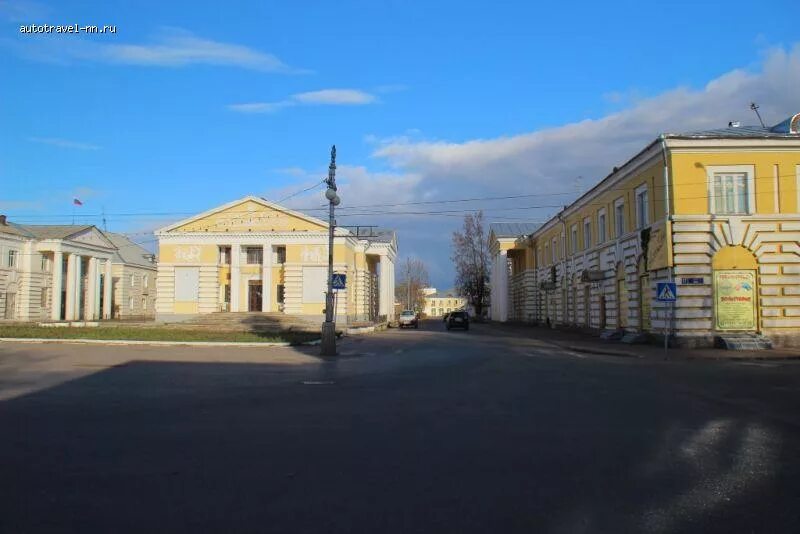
(328, 344)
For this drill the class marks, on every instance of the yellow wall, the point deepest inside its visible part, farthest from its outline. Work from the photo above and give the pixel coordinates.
(189, 254)
(690, 177)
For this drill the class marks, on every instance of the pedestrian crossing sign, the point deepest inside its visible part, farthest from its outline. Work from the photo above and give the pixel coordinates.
(339, 280)
(666, 292)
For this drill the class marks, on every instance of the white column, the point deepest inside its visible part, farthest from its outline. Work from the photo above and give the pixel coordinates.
(78, 289)
(236, 252)
(266, 279)
(502, 286)
(108, 283)
(91, 291)
(390, 289)
(58, 261)
(384, 302)
(70, 286)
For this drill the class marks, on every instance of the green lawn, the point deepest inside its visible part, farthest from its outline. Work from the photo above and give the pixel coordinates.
(150, 334)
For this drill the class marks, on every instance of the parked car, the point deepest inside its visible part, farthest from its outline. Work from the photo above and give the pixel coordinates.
(408, 318)
(458, 319)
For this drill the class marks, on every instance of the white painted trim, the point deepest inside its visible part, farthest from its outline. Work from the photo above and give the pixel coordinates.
(797, 187)
(602, 211)
(619, 202)
(776, 187)
(748, 170)
(636, 193)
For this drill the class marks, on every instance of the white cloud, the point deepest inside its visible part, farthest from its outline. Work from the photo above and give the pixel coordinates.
(171, 47)
(23, 11)
(323, 97)
(64, 143)
(335, 97)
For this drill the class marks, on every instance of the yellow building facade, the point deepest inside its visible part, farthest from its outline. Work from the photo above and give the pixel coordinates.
(439, 303)
(252, 255)
(716, 212)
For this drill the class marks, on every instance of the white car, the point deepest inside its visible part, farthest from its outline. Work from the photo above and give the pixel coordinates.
(408, 318)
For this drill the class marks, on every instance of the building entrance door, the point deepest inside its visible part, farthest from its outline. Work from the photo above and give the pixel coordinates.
(254, 296)
(644, 302)
(622, 304)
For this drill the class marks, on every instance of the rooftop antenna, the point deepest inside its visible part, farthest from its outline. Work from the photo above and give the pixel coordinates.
(754, 107)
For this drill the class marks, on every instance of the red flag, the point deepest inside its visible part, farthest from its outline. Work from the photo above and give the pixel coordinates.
(77, 202)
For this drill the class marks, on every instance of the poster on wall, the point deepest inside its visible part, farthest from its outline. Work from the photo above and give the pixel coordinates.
(735, 299)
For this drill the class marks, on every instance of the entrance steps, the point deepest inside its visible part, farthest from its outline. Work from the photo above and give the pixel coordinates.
(743, 342)
(252, 322)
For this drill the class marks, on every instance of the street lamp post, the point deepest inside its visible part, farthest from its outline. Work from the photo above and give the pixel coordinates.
(328, 344)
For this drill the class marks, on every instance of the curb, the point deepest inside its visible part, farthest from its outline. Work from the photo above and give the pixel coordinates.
(602, 352)
(158, 343)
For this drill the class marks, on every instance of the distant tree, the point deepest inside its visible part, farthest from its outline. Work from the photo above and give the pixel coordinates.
(470, 255)
(413, 278)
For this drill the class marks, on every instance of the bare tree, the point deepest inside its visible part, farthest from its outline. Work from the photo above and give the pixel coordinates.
(412, 280)
(471, 259)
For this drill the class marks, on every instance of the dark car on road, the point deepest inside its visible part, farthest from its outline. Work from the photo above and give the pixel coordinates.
(458, 319)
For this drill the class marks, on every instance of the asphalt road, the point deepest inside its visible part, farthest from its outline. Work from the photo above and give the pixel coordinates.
(408, 431)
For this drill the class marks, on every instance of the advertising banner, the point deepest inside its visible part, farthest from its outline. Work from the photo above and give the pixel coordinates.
(735, 299)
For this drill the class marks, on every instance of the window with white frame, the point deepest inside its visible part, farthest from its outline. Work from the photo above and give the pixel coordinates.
(601, 226)
(255, 255)
(546, 251)
(12, 258)
(280, 253)
(642, 211)
(731, 189)
(45, 263)
(133, 280)
(587, 233)
(573, 238)
(554, 247)
(145, 281)
(619, 217)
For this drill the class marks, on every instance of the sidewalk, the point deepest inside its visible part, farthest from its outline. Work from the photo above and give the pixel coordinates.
(578, 341)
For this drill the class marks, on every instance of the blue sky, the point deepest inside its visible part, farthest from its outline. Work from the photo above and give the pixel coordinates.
(190, 105)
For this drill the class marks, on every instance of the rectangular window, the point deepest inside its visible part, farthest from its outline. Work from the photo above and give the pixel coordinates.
(226, 293)
(130, 303)
(280, 293)
(255, 255)
(43, 298)
(619, 218)
(280, 255)
(145, 281)
(554, 245)
(601, 226)
(45, 263)
(587, 233)
(573, 238)
(642, 215)
(730, 195)
(731, 190)
(224, 255)
(12, 259)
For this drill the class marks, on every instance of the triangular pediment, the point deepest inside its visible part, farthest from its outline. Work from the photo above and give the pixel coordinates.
(92, 236)
(250, 214)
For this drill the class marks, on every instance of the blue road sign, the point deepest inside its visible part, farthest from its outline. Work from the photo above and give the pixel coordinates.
(666, 292)
(339, 280)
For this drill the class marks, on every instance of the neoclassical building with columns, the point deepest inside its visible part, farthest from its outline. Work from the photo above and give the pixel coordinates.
(54, 272)
(252, 255)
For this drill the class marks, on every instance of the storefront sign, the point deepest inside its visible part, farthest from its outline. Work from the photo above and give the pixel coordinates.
(659, 248)
(735, 299)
